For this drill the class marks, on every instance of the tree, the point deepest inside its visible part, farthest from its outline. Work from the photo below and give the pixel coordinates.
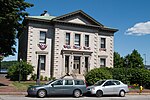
(118, 60)
(12, 13)
(21, 68)
(134, 60)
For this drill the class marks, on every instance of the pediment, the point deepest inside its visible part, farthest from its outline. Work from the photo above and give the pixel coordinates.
(78, 17)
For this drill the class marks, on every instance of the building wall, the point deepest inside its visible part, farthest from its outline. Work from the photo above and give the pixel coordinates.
(33, 49)
(94, 42)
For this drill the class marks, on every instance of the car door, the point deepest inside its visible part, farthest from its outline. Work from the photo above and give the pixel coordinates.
(68, 87)
(108, 87)
(57, 88)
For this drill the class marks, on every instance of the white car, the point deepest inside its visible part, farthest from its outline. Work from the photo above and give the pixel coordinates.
(108, 87)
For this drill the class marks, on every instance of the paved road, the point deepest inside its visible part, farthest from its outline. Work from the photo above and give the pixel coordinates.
(128, 97)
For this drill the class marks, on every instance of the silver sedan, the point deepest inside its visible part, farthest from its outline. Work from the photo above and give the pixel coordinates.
(108, 87)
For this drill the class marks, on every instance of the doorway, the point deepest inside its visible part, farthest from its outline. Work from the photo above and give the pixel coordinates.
(76, 66)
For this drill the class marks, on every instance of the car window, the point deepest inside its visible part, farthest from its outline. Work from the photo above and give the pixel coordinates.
(68, 82)
(117, 82)
(99, 83)
(79, 82)
(109, 83)
(59, 82)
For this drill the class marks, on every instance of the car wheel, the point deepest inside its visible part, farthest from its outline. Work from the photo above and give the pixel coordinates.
(122, 93)
(76, 93)
(99, 93)
(41, 93)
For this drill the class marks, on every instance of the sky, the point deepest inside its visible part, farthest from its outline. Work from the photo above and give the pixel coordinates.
(130, 17)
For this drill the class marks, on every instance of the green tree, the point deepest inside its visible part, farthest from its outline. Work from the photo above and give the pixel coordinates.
(118, 60)
(12, 13)
(22, 68)
(134, 60)
(7, 64)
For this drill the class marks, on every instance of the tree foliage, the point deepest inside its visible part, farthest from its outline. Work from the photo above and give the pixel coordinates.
(118, 60)
(12, 13)
(7, 64)
(97, 74)
(134, 60)
(22, 68)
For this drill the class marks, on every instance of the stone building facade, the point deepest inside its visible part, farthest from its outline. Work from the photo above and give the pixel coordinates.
(73, 43)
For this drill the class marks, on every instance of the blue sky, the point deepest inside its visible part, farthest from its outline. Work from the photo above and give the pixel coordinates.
(131, 17)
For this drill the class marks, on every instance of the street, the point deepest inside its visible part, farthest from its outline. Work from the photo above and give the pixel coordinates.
(128, 97)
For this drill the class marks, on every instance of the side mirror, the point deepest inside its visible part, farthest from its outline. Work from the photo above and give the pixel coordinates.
(52, 85)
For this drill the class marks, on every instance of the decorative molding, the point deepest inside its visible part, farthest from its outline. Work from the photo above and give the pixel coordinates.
(102, 49)
(41, 52)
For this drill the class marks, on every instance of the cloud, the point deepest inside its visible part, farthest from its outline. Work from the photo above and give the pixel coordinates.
(139, 29)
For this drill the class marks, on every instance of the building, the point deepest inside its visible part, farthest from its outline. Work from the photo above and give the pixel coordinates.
(73, 43)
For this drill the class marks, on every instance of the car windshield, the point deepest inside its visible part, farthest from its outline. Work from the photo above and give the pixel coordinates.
(49, 82)
(99, 83)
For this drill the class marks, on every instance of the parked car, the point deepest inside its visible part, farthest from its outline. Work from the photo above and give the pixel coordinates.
(73, 87)
(108, 87)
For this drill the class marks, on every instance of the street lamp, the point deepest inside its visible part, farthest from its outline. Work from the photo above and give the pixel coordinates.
(145, 59)
(1, 58)
(20, 65)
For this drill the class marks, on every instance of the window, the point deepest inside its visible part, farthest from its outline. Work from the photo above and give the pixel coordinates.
(117, 82)
(103, 43)
(68, 82)
(87, 40)
(59, 82)
(42, 61)
(77, 39)
(79, 82)
(102, 62)
(67, 38)
(109, 83)
(42, 37)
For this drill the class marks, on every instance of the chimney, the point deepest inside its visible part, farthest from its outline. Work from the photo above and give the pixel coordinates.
(44, 13)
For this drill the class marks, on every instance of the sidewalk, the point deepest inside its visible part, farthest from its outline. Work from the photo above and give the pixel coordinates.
(7, 88)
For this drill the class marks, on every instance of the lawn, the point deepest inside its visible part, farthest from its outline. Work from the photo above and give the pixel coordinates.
(22, 86)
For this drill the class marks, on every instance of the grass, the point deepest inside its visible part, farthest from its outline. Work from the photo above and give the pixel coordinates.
(23, 86)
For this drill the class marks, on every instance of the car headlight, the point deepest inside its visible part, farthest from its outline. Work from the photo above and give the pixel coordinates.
(93, 88)
(33, 89)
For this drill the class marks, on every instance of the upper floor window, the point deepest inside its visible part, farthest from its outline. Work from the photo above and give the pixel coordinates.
(77, 40)
(42, 37)
(67, 38)
(102, 62)
(103, 43)
(42, 61)
(87, 40)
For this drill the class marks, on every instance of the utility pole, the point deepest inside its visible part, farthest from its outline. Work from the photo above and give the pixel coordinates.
(145, 59)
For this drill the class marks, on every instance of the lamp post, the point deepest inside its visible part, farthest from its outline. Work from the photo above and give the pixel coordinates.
(1, 58)
(145, 59)
(126, 63)
(20, 65)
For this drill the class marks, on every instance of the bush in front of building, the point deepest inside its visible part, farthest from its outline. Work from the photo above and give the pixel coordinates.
(33, 77)
(97, 74)
(21, 69)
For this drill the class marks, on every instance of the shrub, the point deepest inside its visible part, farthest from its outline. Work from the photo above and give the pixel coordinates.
(33, 77)
(45, 78)
(97, 74)
(22, 68)
(41, 77)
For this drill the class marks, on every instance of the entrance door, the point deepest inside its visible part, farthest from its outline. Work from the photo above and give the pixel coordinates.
(76, 66)
(66, 64)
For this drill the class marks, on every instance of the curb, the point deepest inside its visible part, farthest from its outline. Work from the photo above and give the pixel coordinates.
(13, 93)
(25, 93)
